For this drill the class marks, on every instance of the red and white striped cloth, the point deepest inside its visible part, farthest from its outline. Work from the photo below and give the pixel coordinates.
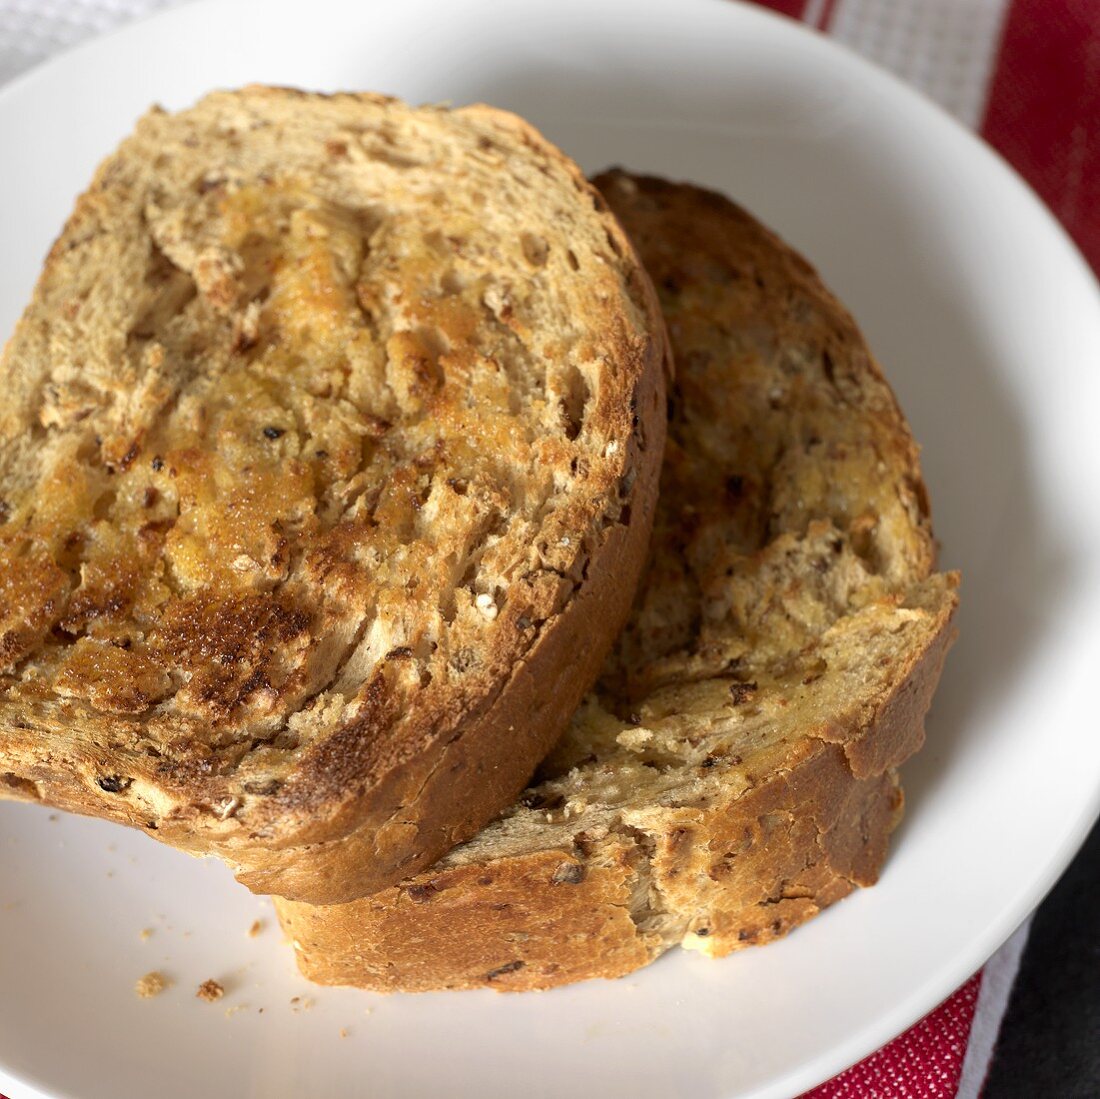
(947, 1054)
(1026, 75)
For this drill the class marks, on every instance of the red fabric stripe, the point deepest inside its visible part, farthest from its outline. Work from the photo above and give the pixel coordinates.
(925, 1061)
(1043, 112)
(827, 12)
(793, 8)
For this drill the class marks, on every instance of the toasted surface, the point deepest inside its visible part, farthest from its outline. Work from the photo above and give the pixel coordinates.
(328, 458)
(734, 772)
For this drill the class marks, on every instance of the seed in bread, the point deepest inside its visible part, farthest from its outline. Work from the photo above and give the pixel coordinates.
(734, 772)
(328, 457)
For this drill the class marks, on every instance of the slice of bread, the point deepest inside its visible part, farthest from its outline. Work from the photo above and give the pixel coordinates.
(734, 772)
(329, 451)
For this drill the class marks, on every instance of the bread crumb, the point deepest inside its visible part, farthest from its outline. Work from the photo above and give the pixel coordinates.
(256, 928)
(53, 817)
(152, 984)
(146, 934)
(634, 739)
(210, 991)
(231, 1011)
(343, 1032)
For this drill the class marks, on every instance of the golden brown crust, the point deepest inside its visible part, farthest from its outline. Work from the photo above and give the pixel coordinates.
(480, 925)
(327, 416)
(736, 770)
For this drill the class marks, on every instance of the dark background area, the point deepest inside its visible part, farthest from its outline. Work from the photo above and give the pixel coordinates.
(1049, 1045)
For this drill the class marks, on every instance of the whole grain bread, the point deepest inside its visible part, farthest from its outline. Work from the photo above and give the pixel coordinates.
(328, 458)
(734, 772)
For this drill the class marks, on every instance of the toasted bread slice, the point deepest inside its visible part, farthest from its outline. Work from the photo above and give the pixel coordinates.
(734, 772)
(328, 456)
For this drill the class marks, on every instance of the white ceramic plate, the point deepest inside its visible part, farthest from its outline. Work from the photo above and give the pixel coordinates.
(989, 325)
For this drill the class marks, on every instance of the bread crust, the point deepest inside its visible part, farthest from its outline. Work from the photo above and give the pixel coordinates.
(768, 785)
(321, 761)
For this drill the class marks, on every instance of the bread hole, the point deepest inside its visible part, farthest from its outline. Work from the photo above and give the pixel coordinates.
(614, 245)
(172, 287)
(434, 342)
(492, 526)
(571, 259)
(258, 257)
(861, 537)
(452, 282)
(385, 154)
(542, 800)
(413, 368)
(22, 787)
(814, 671)
(437, 242)
(536, 249)
(286, 741)
(742, 692)
(262, 788)
(502, 970)
(448, 606)
(101, 509)
(71, 551)
(573, 401)
(420, 894)
(663, 760)
(368, 447)
(114, 784)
